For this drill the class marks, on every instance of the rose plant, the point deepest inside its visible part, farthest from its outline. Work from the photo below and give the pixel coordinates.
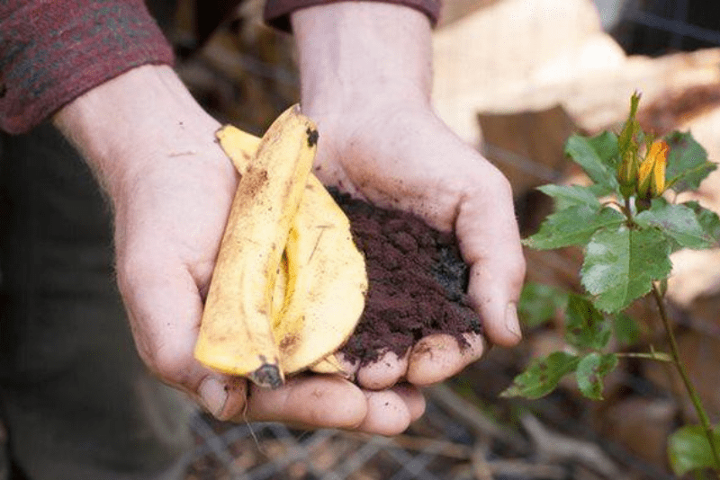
(627, 221)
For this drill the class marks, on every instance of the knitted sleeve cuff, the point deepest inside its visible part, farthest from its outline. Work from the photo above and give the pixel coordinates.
(53, 51)
(277, 12)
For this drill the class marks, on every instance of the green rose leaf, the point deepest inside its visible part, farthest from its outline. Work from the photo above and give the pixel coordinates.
(590, 373)
(627, 329)
(542, 376)
(538, 303)
(679, 222)
(687, 164)
(598, 156)
(585, 326)
(689, 449)
(621, 264)
(573, 226)
(566, 196)
(708, 219)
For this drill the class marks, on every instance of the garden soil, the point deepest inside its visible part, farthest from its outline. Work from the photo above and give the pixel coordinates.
(417, 282)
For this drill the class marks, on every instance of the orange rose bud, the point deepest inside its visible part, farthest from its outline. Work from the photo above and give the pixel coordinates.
(651, 174)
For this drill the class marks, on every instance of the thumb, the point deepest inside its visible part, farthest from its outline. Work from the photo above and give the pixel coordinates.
(490, 243)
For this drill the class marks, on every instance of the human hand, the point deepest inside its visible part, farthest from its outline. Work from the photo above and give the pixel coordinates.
(365, 71)
(153, 150)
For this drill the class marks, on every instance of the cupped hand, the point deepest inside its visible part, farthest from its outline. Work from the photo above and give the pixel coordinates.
(366, 77)
(168, 233)
(401, 155)
(153, 150)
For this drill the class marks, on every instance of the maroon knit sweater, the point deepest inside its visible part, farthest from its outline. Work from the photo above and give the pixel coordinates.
(52, 51)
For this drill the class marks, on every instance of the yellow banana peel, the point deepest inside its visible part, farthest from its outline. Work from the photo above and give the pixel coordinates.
(235, 334)
(326, 282)
(289, 284)
(330, 365)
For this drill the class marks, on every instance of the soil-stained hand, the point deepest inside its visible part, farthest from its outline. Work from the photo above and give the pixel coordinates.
(366, 76)
(153, 150)
(413, 162)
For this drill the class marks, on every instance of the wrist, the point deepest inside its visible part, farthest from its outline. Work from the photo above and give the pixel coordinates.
(134, 120)
(357, 54)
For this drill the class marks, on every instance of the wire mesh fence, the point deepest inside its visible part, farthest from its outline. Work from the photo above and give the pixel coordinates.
(455, 439)
(271, 450)
(450, 442)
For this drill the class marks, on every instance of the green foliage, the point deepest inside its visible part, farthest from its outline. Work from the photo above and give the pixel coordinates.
(567, 196)
(573, 226)
(539, 303)
(687, 162)
(542, 376)
(708, 219)
(626, 329)
(627, 241)
(587, 329)
(679, 223)
(627, 230)
(627, 233)
(620, 265)
(598, 156)
(585, 326)
(590, 372)
(689, 449)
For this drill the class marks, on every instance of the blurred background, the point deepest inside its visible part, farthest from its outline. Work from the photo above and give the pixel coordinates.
(514, 78)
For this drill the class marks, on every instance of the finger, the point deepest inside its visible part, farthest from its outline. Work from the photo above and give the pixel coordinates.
(223, 396)
(384, 372)
(437, 357)
(490, 243)
(349, 367)
(165, 307)
(326, 401)
(413, 398)
(387, 413)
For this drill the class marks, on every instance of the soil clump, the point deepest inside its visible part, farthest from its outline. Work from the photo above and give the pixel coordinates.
(417, 282)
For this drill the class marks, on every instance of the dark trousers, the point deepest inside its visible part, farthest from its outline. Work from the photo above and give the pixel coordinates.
(76, 401)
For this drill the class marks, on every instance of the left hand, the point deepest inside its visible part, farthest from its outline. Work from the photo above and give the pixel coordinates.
(403, 156)
(365, 70)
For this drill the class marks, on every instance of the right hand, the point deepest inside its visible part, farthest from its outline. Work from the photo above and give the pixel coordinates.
(154, 152)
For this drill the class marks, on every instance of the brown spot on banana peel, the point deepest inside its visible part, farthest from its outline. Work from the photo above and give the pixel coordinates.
(287, 342)
(254, 179)
(313, 137)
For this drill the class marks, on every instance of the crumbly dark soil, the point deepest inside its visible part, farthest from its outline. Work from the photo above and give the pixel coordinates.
(417, 282)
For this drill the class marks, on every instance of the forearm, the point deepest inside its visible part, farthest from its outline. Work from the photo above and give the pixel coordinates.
(134, 121)
(361, 53)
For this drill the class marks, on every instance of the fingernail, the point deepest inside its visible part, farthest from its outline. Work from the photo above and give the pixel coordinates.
(511, 320)
(213, 395)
